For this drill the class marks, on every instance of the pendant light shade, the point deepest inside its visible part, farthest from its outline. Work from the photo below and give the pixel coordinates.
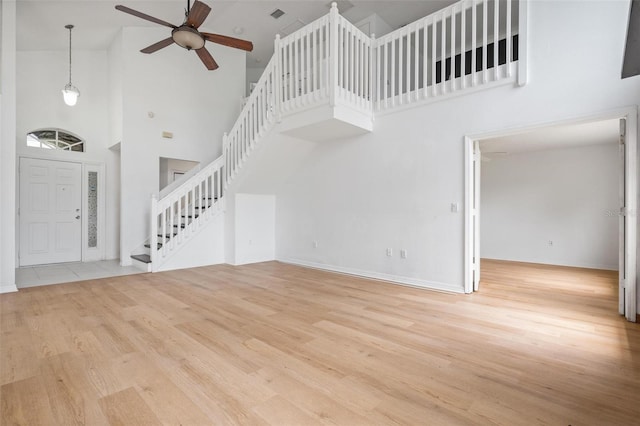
(70, 92)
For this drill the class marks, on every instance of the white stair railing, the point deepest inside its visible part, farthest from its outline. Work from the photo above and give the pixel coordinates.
(305, 65)
(468, 45)
(180, 214)
(256, 118)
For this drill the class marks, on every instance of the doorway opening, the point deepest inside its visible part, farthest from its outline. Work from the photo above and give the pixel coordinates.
(558, 224)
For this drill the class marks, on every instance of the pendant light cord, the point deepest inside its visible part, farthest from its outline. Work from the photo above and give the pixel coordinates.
(69, 27)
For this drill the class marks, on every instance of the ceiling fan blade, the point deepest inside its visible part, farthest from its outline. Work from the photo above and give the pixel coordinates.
(207, 59)
(157, 46)
(130, 11)
(229, 41)
(198, 13)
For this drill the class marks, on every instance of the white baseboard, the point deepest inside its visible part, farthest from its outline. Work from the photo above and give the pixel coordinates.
(394, 279)
(8, 288)
(584, 265)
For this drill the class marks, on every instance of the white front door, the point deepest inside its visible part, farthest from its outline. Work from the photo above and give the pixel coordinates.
(50, 206)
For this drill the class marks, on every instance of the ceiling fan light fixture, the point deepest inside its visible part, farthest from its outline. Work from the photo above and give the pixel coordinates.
(188, 38)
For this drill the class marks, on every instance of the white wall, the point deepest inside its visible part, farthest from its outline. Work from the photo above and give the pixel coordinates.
(393, 188)
(196, 105)
(7, 145)
(116, 67)
(567, 196)
(40, 79)
(254, 228)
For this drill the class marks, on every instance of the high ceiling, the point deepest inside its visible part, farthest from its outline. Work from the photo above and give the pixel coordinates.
(41, 23)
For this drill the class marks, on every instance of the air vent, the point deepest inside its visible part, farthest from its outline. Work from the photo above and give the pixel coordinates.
(277, 13)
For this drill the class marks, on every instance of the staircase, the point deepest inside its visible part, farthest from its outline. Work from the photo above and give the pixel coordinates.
(328, 80)
(180, 215)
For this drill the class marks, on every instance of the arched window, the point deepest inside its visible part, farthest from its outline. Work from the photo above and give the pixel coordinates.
(55, 139)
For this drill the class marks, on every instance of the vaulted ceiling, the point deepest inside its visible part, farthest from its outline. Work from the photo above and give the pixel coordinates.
(41, 23)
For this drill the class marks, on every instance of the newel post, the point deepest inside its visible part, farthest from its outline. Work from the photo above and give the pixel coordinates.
(333, 54)
(373, 74)
(153, 241)
(278, 78)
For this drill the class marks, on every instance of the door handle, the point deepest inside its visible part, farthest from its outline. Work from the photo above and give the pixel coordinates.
(78, 217)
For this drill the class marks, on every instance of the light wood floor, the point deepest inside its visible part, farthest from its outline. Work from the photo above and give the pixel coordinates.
(277, 344)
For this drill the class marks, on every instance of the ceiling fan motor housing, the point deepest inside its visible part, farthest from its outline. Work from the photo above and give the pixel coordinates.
(188, 37)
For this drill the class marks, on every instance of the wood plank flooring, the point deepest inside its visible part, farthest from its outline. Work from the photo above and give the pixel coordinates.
(278, 344)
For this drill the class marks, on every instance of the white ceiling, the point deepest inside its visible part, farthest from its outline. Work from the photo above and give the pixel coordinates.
(41, 23)
(554, 137)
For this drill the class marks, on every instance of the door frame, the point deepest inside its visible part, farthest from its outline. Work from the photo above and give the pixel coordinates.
(472, 194)
(87, 254)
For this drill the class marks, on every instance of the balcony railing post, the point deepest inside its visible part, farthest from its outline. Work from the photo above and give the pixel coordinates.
(523, 29)
(333, 54)
(278, 78)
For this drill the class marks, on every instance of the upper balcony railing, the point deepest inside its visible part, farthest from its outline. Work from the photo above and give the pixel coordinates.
(470, 44)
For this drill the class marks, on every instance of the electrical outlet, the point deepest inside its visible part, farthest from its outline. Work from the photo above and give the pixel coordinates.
(550, 242)
(403, 254)
(389, 252)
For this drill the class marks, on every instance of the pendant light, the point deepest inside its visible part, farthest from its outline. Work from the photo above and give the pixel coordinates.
(70, 92)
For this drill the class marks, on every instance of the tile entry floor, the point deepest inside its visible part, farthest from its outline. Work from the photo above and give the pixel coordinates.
(31, 276)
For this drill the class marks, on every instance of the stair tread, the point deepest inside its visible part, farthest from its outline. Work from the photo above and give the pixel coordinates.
(149, 245)
(145, 258)
(168, 235)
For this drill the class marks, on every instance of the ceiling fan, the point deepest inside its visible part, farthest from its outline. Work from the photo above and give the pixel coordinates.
(187, 34)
